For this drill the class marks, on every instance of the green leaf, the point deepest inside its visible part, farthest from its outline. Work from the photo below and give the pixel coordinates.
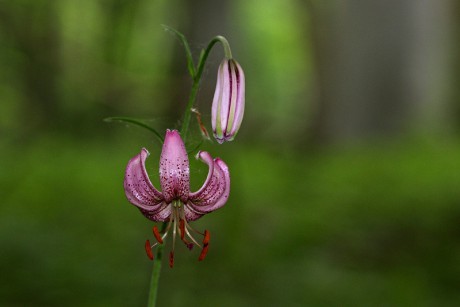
(134, 121)
(188, 53)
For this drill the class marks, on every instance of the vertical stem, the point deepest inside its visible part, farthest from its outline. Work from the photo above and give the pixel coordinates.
(188, 111)
(154, 280)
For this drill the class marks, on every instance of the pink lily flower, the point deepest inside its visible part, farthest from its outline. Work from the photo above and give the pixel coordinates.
(175, 204)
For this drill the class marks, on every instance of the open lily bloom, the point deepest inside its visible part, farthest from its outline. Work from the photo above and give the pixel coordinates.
(175, 204)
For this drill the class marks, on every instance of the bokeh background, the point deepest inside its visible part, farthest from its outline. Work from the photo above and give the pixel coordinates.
(345, 173)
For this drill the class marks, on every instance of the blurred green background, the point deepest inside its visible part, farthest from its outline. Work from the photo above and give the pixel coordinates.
(345, 173)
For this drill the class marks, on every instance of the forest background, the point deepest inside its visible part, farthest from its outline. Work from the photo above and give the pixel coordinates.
(345, 173)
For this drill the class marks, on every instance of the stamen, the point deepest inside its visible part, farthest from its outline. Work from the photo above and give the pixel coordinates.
(182, 229)
(148, 249)
(174, 228)
(171, 254)
(204, 251)
(157, 235)
(207, 236)
(182, 232)
(171, 259)
(187, 226)
(178, 223)
(192, 238)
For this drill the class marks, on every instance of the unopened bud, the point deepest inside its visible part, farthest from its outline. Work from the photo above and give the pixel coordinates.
(228, 102)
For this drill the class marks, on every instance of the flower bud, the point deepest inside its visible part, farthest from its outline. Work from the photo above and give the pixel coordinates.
(228, 102)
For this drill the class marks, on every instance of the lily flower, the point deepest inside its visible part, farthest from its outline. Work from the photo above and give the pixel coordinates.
(228, 102)
(175, 203)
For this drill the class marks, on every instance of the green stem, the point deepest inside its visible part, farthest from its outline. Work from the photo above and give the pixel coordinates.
(188, 110)
(197, 79)
(226, 45)
(196, 74)
(154, 280)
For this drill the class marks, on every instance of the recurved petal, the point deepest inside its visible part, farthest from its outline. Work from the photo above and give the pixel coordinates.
(215, 190)
(138, 188)
(162, 214)
(190, 214)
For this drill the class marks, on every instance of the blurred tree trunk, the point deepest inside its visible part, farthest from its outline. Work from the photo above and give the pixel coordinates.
(32, 31)
(203, 20)
(456, 65)
(119, 19)
(382, 67)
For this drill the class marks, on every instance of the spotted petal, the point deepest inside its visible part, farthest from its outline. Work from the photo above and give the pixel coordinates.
(138, 188)
(162, 214)
(174, 168)
(214, 192)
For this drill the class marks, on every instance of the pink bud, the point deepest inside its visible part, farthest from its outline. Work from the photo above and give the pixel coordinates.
(228, 102)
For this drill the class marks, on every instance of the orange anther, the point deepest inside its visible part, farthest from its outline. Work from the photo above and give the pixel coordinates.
(157, 235)
(207, 236)
(148, 249)
(204, 251)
